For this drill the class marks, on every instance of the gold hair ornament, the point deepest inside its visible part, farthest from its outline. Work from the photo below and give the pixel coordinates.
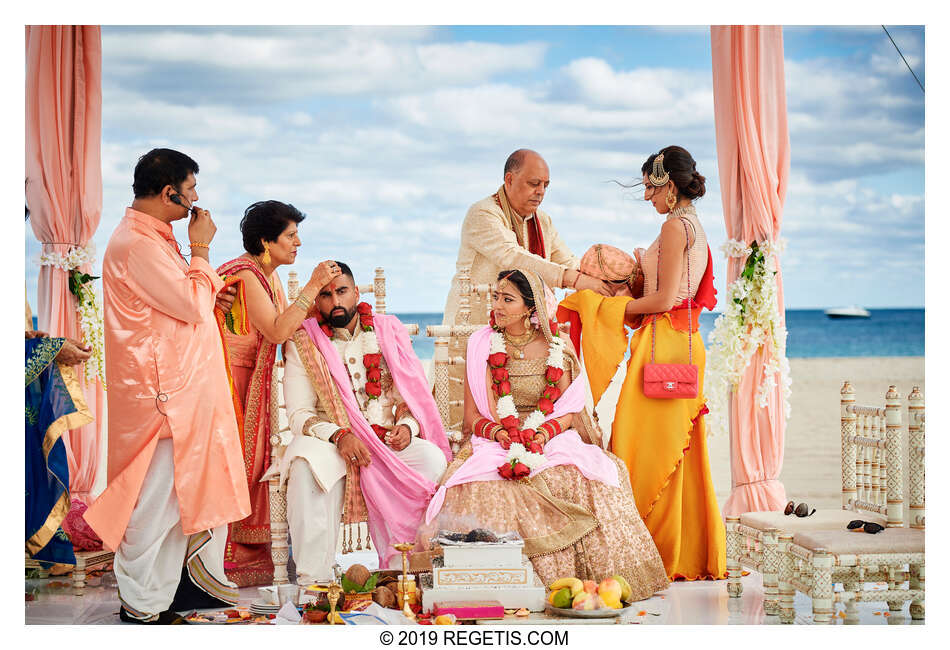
(659, 177)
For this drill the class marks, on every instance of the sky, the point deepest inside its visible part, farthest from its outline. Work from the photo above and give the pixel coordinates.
(384, 136)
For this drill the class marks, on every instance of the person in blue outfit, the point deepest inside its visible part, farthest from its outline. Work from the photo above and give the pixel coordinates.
(53, 405)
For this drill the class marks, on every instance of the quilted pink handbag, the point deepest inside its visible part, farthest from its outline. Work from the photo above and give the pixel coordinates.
(671, 380)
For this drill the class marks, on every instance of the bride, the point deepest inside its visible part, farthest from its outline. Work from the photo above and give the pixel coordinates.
(573, 506)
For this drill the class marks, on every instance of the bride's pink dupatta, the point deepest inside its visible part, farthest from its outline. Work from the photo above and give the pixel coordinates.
(566, 448)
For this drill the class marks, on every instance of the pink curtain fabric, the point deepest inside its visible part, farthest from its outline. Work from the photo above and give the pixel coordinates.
(64, 192)
(752, 142)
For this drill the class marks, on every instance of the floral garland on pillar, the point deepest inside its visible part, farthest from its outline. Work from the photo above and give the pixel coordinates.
(88, 304)
(521, 460)
(750, 320)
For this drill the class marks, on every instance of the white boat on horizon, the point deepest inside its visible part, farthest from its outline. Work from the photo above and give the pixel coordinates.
(848, 312)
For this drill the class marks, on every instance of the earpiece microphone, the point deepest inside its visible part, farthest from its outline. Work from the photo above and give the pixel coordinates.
(176, 199)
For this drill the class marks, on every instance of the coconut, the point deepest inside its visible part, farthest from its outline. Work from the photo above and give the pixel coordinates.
(384, 597)
(357, 574)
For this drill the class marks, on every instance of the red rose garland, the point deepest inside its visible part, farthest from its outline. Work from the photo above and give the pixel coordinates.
(372, 360)
(501, 385)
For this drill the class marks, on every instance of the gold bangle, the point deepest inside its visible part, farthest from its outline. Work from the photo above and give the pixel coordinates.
(197, 244)
(303, 302)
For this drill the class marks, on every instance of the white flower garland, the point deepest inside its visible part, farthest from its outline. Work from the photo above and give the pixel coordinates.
(76, 257)
(374, 408)
(90, 320)
(518, 453)
(88, 306)
(750, 320)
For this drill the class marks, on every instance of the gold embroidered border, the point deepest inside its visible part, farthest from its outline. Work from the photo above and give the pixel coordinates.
(199, 574)
(581, 523)
(45, 533)
(252, 408)
(311, 422)
(326, 391)
(354, 506)
(43, 355)
(82, 415)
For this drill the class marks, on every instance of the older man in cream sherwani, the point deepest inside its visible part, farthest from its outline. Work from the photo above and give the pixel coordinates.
(508, 230)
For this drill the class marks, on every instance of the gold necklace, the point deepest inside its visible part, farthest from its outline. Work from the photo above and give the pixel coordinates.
(520, 341)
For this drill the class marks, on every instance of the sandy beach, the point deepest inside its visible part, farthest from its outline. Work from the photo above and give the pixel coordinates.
(812, 468)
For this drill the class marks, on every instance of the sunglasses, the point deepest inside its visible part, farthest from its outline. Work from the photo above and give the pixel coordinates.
(800, 511)
(868, 526)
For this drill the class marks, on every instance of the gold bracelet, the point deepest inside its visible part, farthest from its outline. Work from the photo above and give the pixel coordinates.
(303, 302)
(197, 244)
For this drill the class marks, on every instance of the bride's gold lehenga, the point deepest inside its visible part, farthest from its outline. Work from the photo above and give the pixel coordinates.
(572, 526)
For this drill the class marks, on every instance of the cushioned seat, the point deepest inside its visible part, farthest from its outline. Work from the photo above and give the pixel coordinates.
(849, 542)
(832, 519)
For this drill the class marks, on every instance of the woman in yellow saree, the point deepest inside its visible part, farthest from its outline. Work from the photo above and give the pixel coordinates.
(662, 441)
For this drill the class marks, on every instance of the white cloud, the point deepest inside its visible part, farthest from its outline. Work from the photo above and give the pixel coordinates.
(269, 65)
(206, 121)
(299, 118)
(384, 137)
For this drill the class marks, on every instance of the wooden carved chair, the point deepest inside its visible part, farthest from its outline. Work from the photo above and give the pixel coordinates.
(446, 384)
(867, 436)
(281, 436)
(812, 561)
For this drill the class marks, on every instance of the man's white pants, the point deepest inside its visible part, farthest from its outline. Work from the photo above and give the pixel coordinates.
(149, 559)
(313, 515)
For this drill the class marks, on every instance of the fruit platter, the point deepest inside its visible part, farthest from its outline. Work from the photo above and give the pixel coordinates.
(576, 598)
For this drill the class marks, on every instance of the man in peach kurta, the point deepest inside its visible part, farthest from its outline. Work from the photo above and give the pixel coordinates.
(175, 470)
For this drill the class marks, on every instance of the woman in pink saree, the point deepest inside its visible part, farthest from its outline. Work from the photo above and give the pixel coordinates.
(572, 503)
(259, 321)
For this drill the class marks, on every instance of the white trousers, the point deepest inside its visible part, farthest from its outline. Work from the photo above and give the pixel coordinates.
(149, 559)
(313, 515)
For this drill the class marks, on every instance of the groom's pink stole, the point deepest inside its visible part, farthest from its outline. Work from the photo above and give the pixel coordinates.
(396, 496)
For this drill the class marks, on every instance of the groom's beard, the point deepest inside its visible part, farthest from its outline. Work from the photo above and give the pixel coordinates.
(340, 317)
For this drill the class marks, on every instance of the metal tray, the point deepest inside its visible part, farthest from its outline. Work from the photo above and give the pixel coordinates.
(586, 613)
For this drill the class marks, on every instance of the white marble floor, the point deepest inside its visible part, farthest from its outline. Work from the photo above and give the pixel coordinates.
(683, 603)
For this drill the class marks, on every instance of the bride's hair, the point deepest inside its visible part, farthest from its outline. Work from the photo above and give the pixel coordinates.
(518, 279)
(681, 167)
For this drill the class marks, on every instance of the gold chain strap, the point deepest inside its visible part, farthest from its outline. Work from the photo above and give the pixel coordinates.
(689, 299)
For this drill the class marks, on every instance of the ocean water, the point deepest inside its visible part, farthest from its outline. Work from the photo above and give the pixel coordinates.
(887, 333)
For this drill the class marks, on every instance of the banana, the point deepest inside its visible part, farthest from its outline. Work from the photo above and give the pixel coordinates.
(576, 586)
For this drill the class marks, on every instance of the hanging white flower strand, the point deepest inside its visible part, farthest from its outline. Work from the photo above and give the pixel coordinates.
(750, 319)
(88, 305)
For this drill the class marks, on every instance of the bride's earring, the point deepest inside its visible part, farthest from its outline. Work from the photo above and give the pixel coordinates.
(527, 321)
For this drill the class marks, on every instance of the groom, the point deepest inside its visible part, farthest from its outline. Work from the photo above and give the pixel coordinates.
(360, 408)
